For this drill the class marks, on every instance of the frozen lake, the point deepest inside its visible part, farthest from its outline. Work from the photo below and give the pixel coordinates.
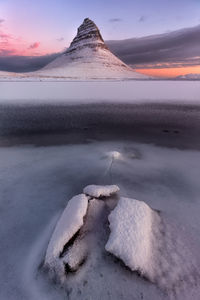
(36, 184)
(133, 91)
(50, 151)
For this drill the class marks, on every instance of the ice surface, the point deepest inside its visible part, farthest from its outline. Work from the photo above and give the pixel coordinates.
(98, 191)
(101, 91)
(37, 181)
(69, 223)
(131, 230)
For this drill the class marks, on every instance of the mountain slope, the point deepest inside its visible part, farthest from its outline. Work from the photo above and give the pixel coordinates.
(88, 58)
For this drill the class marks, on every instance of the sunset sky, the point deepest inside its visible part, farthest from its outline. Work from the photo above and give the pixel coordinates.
(40, 27)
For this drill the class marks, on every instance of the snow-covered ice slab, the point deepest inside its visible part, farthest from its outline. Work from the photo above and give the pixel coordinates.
(68, 225)
(68, 246)
(98, 191)
(149, 244)
(87, 240)
(141, 237)
(131, 230)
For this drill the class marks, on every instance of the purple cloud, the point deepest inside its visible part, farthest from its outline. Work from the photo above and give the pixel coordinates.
(181, 46)
(34, 45)
(142, 19)
(4, 36)
(115, 20)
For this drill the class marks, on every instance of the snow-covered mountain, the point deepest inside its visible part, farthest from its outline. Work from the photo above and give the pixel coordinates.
(88, 57)
(191, 76)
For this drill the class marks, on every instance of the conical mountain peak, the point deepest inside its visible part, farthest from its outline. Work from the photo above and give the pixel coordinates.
(90, 27)
(88, 57)
(88, 35)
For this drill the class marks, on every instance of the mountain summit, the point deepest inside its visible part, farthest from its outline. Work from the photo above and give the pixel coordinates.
(88, 35)
(88, 57)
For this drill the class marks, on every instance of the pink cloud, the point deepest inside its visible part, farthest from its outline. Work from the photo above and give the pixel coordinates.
(5, 36)
(16, 45)
(34, 45)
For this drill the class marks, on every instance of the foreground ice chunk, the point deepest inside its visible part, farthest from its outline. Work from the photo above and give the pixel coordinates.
(100, 190)
(146, 242)
(130, 238)
(69, 223)
(86, 245)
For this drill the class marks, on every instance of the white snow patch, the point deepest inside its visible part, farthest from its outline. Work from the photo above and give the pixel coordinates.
(100, 190)
(69, 223)
(130, 238)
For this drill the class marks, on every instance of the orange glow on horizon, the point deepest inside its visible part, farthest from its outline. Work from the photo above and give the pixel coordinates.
(170, 72)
